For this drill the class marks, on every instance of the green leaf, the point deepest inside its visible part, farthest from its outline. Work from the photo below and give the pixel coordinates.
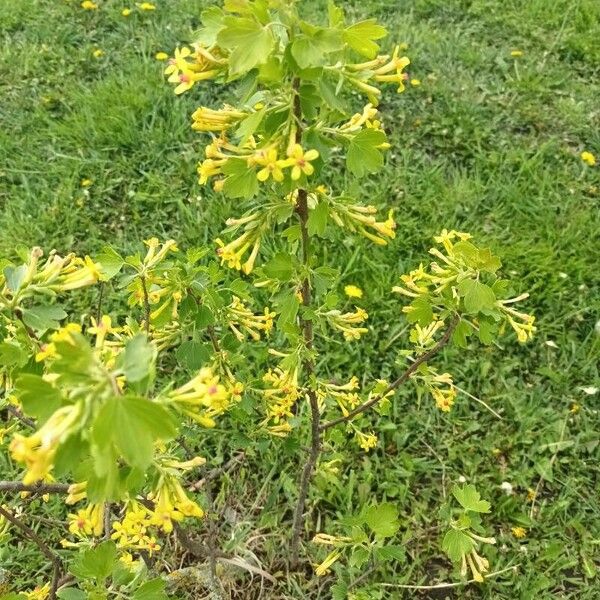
(390, 553)
(249, 125)
(151, 590)
(461, 332)
(71, 593)
(137, 360)
(111, 263)
(242, 182)
(311, 49)
(96, 563)
(12, 355)
(212, 21)
(250, 43)
(204, 317)
(38, 397)
(382, 519)
(280, 267)
(360, 37)
(339, 591)
(420, 311)
(478, 297)
(192, 355)
(317, 219)
(457, 544)
(15, 276)
(132, 424)
(335, 14)
(363, 156)
(358, 557)
(41, 318)
(470, 499)
(329, 95)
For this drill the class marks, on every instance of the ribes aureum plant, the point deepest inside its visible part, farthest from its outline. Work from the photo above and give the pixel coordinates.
(95, 402)
(298, 84)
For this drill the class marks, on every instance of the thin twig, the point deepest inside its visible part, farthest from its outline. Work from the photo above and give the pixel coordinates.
(100, 299)
(441, 586)
(398, 382)
(146, 303)
(232, 462)
(36, 488)
(15, 412)
(44, 548)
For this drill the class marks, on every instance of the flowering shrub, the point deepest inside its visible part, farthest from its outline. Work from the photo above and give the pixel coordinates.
(96, 400)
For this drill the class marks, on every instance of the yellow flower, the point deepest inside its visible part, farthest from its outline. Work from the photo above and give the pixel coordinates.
(161, 56)
(88, 521)
(300, 161)
(415, 82)
(86, 182)
(38, 593)
(272, 167)
(516, 53)
(588, 158)
(366, 441)
(146, 6)
(519, 532)
(126, 12)
(575, 408)
(88, 5)
(98, 53)
(353, 291)
(324, 567)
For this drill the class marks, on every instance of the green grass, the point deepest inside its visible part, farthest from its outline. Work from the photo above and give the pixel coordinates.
(487, 144)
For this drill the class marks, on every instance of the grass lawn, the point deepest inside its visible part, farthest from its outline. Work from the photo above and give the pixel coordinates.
(488, 143)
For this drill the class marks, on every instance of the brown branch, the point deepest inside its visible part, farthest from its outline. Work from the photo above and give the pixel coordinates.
(15, 412)
(232, 462)
(398, 382)
(44, 549)
(36, 488)
(308, 364)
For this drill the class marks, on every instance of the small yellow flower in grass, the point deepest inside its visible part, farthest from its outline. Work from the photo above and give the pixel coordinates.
(98, 53)
(588, 158)
(353, 291)
(89, 5)
(516, 53)
(415, 82)
(575, 408)
(530, 495)
(519, 532)
(86, 183)
(300, 161)
(146, 6)
(161, 56)
(126, 12)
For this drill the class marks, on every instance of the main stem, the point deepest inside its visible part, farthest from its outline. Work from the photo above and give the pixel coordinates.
(308, 364)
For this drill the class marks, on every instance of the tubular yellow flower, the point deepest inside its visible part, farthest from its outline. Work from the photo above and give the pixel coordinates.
(347, 322)
(88, 521)
(38, 450)
(242, 319)
(300, 161)
(280, 397)
(325, 566)
(367, 441)
(207, 119)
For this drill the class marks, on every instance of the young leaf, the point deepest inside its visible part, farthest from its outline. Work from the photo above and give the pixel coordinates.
(250, 43)
(280, 267)
(311, 49)
(456, 544)
(317, 219)
(470, 499)
(382, 519)
(137, 360)
(41, 318)
(242, 182)
(360, 37)
(363, 156)
(478, 297)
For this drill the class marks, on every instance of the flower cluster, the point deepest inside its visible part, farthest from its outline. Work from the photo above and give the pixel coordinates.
(191, 65)
(243, 321)
(361, 219)
(280, 397)
(348, 323)
(345, 395)
(202, 398)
